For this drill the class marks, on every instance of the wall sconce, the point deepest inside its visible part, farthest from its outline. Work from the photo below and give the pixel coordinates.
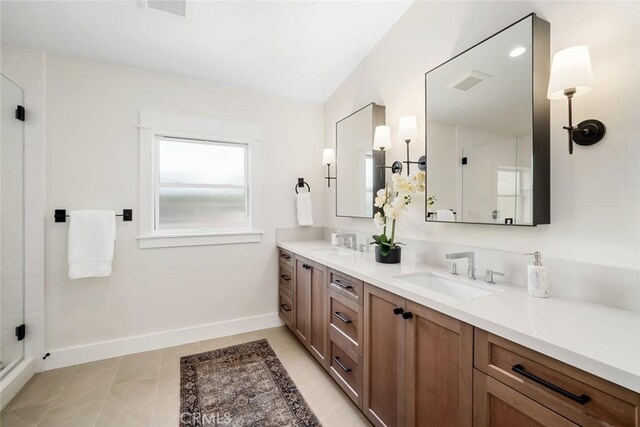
(381, 142)
(571, 76)
(408, 131)
(328, 158)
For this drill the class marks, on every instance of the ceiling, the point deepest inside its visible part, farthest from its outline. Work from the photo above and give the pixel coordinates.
(294, 49)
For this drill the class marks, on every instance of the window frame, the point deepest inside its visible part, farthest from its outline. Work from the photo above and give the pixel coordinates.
(155, 126)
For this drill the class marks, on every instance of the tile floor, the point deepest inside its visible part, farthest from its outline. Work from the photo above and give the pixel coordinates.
(143, 389)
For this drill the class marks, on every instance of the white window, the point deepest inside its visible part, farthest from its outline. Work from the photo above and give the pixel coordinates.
(196, 184)
(202, 186)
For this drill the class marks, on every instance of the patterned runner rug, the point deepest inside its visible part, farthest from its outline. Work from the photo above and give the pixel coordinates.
(243, 385)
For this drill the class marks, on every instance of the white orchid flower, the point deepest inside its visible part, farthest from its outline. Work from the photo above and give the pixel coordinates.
(390, 212)
(400, 203)
(378, 220)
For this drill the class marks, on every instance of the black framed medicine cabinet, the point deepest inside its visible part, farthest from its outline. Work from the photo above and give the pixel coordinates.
(360, 171)
(487, 130)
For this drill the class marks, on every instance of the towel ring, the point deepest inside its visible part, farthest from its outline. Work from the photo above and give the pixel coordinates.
(302, 185)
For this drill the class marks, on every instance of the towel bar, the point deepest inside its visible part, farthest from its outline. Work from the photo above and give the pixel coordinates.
(301, 183)
(60, 215)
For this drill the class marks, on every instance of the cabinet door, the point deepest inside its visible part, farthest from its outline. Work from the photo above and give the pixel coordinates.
(318, 313)
(384, 344)
(439, 369)
(301, 299)
(497, 405)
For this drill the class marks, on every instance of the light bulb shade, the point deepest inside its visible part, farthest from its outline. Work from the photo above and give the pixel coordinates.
(382, 138)
(328, 156)
(408, 128)
(571, 68)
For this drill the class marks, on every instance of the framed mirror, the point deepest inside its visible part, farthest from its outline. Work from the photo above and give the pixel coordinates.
(358, 172)
(487, 130)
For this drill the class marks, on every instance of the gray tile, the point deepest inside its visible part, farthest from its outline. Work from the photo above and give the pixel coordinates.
(144, 389)
(28, 416)
(165, 411)
(43, 387)
(169, 380)
(280, 337)
(181, 350)
(81, 397)
(98, 365)
(84, 422)
(138, 367)
(129, 404)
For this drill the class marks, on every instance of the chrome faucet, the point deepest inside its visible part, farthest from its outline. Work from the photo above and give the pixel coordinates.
(471, 271)
(488, 278)
(351, 240)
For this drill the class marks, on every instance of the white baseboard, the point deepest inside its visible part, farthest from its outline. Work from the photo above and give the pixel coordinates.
(106, 349)
(11, 384)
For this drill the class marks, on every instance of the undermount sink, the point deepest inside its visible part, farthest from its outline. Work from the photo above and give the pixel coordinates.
(333, 252)
(445, 286)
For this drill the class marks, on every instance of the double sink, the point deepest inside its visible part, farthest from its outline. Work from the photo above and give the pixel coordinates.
(436, 282)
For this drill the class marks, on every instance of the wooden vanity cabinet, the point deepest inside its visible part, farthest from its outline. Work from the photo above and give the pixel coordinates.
(344, 321)
(285, 287)
(310, 296)
(495, 404)
(384, 354)
(404, 364)
(439, 369)
(577, 396)
(418, 364)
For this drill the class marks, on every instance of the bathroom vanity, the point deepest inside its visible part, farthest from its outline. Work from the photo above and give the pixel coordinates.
(412, 345)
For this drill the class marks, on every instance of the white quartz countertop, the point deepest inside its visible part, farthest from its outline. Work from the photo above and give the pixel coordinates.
(602, 340)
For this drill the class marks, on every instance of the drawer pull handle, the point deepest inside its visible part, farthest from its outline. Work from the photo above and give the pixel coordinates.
(338, 282)
(285, 307)
(582, 399)
(341, 317)
(285, 277)
(344, 368)
(285, 256)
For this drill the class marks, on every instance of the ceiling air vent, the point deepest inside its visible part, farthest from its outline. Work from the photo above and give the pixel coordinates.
(470, 80)
(175, 7)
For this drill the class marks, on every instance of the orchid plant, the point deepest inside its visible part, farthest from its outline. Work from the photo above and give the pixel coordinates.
(393, 202)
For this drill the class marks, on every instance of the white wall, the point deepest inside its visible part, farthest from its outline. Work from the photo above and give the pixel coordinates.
(92, 163)
(595, 192)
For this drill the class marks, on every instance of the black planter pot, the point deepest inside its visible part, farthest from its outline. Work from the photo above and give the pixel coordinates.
(393, 258)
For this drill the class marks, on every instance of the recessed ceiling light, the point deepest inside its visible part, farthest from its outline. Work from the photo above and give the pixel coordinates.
(517, 51)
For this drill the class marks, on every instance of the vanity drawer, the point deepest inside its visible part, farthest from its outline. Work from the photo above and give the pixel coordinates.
(576, 395)
(345, 368)
(286, 257)
(285, 309)
(345, 320)
(346, 285)
(286, 279)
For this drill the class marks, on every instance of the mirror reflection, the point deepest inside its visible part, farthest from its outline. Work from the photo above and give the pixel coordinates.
(479, 132)
(358, 177)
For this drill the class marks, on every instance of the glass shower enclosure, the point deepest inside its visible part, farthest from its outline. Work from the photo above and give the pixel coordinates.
(12, 254)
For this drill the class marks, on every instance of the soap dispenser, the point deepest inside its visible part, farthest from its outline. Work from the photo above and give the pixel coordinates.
(335, 237)
(537, 277)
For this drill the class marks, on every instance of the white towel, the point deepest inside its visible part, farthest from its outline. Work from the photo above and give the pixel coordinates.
(304, 209)
(445, 215)
(91, 239)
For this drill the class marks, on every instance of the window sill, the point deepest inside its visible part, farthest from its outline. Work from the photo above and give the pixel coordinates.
(198, 239)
